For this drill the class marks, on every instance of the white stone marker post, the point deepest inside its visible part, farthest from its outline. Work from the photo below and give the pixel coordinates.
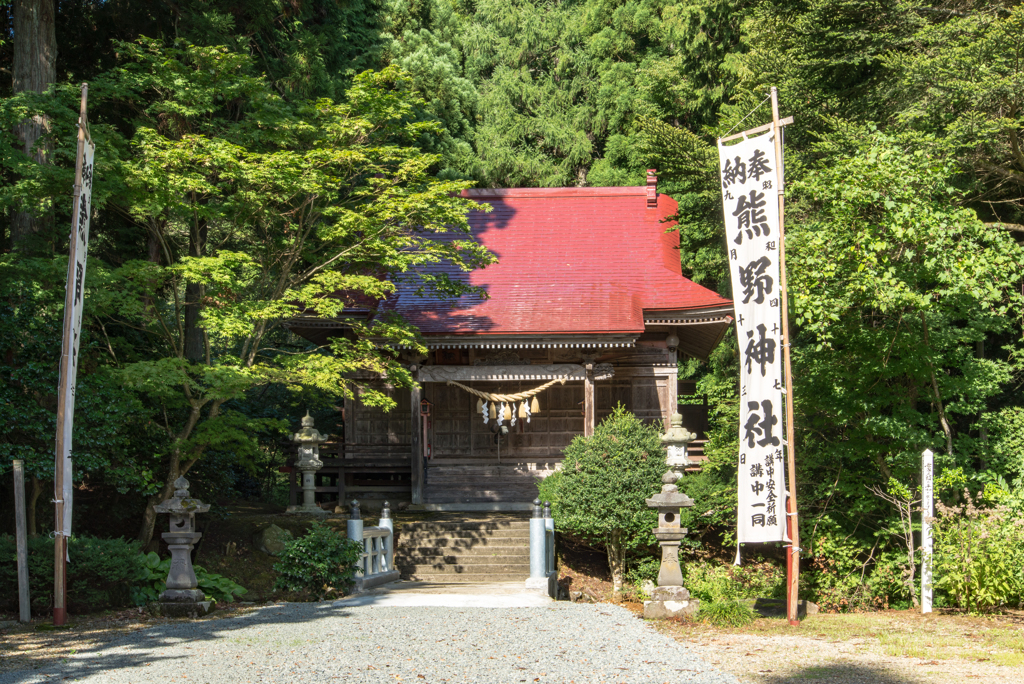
(927, 513)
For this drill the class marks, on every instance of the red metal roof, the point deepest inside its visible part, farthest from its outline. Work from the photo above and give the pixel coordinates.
(570, 261)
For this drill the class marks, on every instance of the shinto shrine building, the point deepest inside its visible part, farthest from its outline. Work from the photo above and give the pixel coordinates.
(587, 293)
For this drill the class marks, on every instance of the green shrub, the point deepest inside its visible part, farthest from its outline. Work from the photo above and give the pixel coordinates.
(712, 582)
(599, 495)
(979, 555)
(152, 582)
(727, 613)
(643, 569)
(101, 574)
(321, 562)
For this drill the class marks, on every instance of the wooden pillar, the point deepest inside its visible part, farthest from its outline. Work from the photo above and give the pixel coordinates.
(673, 388)
(416, 453)
(588, 402)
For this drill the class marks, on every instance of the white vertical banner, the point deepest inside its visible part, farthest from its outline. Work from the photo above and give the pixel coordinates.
(747, 170)
(74, 301)
(927, 513)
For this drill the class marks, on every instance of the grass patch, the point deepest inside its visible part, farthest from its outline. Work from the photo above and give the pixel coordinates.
(993, 640)
(726, 613)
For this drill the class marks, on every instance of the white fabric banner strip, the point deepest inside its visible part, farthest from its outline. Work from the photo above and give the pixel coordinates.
(751, 202)
(76, 279)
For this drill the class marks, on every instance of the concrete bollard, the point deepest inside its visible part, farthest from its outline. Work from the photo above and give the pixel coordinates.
(355, 533)
(538, 537)
(549, 539)
(386, 521)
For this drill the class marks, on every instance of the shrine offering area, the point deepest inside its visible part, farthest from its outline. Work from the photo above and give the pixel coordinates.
(324, 642)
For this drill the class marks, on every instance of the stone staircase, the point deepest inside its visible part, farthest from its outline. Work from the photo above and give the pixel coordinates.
(455, 549)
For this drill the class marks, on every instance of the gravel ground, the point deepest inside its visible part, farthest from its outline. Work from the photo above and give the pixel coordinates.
(563, 642)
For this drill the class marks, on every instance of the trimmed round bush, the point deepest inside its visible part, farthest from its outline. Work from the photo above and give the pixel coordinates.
(322, 563)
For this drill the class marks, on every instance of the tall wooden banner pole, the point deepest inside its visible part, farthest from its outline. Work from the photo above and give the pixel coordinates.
(793, 550)
(68, 368)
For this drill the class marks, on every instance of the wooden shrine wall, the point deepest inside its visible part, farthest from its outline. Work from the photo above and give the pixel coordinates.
(458, 434)
(644, 382)
(372, 432)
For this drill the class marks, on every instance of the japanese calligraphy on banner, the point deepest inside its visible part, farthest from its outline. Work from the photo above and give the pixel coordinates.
(82, 209)
(750, 198)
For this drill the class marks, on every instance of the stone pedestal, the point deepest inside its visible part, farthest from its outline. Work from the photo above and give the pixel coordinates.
(308, 463)
(671, 602)
(182, 598)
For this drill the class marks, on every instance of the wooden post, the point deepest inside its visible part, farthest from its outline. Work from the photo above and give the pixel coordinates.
(416, 453)
(588, 402)
(25, 608)
(793, 550)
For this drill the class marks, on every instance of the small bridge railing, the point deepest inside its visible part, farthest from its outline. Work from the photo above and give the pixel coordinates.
(377, 562)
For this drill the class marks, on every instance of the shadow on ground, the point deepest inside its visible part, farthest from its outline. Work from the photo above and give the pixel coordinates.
(843, 673)
(140, 650)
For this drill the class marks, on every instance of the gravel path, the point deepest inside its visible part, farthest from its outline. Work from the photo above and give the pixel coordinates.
(321, 642)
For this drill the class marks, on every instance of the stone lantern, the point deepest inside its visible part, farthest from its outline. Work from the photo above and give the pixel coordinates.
(669, 598)
(309, 440)
(182, 598)
(675, 440)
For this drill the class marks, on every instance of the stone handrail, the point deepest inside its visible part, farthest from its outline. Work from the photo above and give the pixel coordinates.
(376, 563)
(377, 543)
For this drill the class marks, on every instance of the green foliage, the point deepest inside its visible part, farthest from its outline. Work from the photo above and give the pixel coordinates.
(979, 555)
(604, 482)
(321, 562)
(727, 613)
(643, 569)
(152, 581)
(712, 582)
(102, 573)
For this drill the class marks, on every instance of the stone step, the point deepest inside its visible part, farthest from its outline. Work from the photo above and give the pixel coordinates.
(473, 548)
(440, 548)
(433, 559)
(412, 569)
(467, 579)
(484, 527)
(407, 535)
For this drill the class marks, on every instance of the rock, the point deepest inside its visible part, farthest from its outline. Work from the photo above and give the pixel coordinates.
(230, 549)
(272, 540)
(662, 610)
(648, 587)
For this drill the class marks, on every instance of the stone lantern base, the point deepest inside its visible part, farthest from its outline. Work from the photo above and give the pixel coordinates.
(186, 608)
(671, 602)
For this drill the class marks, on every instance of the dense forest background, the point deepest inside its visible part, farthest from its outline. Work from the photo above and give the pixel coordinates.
(222, 125)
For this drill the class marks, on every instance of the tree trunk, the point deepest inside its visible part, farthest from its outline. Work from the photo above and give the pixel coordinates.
(616, 559)
(194, 342)
(33, 499)
(149, 516)
(35, 69)
(946, 429)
